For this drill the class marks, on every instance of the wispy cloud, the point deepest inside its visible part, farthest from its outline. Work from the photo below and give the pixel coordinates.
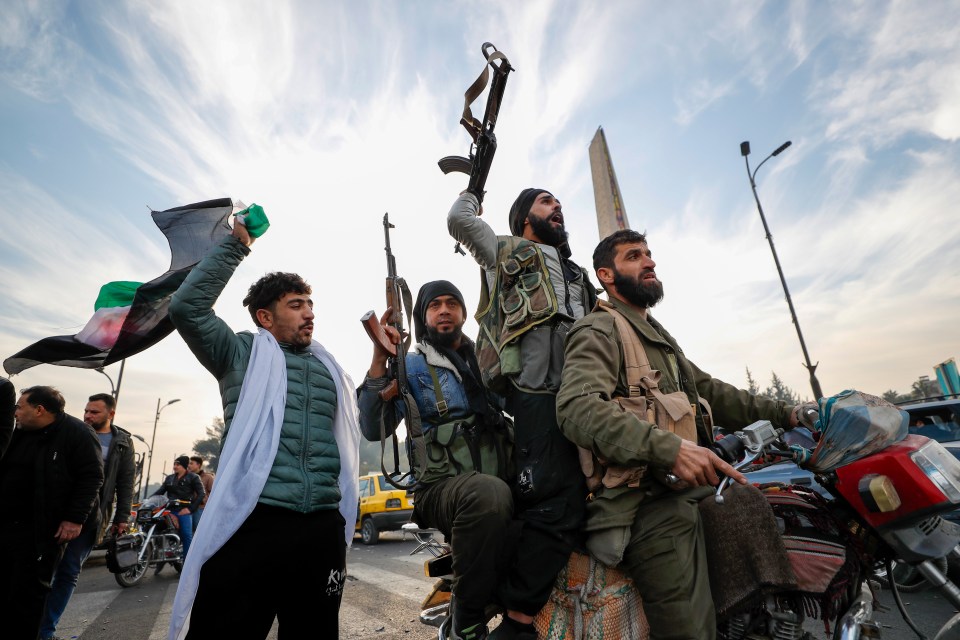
(330, 114)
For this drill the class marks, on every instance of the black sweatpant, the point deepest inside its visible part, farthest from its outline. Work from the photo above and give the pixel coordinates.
(279, 564)
(475, 512)
(549, 497)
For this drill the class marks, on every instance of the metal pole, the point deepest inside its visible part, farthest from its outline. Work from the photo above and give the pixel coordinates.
(152, 439)
(116, 396)
(113, 390)
(812, 368)
(146, 485)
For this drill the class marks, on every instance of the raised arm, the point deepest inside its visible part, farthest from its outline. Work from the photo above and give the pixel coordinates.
(466, 227)
(368, 395)
(191, 309)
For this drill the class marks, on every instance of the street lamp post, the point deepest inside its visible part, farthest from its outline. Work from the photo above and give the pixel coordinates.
(140, 463)
(745, 152)
(156, 419)
(114, 391)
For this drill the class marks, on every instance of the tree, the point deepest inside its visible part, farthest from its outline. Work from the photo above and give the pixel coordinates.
(209, 448)
(780, 391)
(892, 396)
(922, 387)
(752, 385)
(776, 391)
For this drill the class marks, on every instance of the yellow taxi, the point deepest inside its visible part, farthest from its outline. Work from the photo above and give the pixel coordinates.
(383, 507)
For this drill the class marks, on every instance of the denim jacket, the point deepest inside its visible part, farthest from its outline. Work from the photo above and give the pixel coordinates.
(421, 388)
(453, 442)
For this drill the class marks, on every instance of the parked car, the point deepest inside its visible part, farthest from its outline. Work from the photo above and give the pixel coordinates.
(383, 507)
(938, 420)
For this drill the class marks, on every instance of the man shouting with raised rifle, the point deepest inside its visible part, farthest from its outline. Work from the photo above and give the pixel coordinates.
(531, 295)
(461, 488)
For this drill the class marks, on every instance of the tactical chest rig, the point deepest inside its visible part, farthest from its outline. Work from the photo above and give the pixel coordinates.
(458, 445)
(670, 411)
(522, 298)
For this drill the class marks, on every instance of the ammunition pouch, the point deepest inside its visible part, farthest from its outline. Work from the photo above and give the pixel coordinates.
(669, 411)
(522, 298)
(464, 445)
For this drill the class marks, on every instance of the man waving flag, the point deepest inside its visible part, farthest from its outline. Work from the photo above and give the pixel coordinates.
(131, 316)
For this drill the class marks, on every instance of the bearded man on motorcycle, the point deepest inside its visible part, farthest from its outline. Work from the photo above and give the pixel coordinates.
(640, 516)
(461, 488)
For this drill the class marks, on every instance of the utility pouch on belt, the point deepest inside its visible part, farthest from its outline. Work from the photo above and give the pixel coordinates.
(669, 411)
(463, 444)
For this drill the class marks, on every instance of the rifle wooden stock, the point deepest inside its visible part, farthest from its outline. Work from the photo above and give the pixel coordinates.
(376, 333)
(390, 391)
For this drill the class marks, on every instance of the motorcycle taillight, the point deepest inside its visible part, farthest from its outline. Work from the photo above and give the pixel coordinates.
(898, 485)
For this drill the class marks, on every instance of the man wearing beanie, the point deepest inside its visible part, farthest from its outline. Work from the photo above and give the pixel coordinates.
(183, 485)
(531, 294)
(462, 488)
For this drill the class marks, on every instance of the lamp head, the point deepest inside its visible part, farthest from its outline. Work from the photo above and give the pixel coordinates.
(781, 148)
(745, 148)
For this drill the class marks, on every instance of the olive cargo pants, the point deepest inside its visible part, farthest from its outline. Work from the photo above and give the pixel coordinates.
(666, 557)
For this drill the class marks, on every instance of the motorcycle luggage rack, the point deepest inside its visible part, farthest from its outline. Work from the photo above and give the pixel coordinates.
(426, 539)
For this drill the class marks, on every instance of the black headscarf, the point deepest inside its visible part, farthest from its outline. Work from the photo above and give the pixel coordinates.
(521, 207)
(427, 293)
(463, 359)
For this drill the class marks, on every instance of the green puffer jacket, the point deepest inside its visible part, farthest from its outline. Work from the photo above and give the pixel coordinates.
(304, 473)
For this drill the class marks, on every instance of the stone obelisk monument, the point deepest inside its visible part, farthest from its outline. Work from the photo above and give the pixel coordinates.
(611, 215)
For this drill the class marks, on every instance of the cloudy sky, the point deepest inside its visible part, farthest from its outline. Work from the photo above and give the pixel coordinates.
(328, 114)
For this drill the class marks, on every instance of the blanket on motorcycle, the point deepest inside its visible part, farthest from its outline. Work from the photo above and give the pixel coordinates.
(822, 559)
(743, 568)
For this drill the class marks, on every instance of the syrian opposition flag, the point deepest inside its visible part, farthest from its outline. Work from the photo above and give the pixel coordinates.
(131, 316)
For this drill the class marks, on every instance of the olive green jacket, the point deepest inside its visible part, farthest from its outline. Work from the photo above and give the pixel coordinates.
(594, 373)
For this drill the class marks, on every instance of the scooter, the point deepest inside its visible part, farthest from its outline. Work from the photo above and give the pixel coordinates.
(887, 493)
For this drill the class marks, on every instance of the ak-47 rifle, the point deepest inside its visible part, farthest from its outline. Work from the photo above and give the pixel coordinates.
(484, 145)
(400, 301)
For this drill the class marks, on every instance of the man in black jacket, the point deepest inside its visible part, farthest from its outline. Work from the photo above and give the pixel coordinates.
(183, 485)
(8, 400)
(118, 472)
(50, 477)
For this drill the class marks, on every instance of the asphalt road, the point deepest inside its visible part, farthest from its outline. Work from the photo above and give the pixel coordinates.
(381, 599)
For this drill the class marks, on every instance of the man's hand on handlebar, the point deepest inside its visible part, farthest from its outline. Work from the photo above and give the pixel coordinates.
(698, 466)
(805, 414)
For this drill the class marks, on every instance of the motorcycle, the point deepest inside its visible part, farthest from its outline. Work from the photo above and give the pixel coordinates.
(153, 536)
(887, 493)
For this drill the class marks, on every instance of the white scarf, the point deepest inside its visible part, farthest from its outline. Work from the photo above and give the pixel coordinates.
(248, 455)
